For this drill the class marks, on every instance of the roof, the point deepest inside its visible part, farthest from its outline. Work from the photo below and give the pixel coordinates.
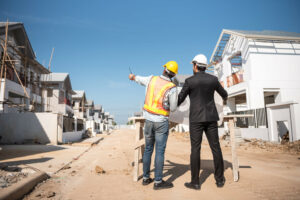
(98, 107)
(89, 102)
(265, 33)
(257, 35)
(79, 94)
(180, 78)
(20, 34)
(138, 114)
(56, 78)
(3, 24)
(22, 39)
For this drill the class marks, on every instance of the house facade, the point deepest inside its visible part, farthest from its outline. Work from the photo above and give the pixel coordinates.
(57, 93)
(20, 83)
(260, 71)
(78, 104)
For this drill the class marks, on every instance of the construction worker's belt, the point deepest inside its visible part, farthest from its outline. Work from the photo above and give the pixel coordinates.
(156, 91)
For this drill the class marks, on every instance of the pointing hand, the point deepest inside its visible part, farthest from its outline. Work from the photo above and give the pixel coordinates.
(132, 77)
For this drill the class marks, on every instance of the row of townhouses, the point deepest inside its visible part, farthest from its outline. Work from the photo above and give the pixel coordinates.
(37, 105)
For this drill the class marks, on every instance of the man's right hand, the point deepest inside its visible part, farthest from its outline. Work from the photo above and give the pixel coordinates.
(132, 77)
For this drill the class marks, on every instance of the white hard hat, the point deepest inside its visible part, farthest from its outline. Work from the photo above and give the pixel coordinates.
(200, 59)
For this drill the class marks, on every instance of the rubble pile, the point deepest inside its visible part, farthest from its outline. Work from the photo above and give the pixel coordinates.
(12, 174)
(291, 147)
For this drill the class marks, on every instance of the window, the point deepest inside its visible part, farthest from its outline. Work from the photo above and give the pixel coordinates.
(49, 92)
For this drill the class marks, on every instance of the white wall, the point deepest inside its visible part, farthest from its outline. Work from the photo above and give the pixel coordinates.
(72, 136)
(20, 127)
(250, 133)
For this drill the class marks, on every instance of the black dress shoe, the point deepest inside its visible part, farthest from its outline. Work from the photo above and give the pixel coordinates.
(147, 181)
(192, 186)
(220, 183)
(162, 185)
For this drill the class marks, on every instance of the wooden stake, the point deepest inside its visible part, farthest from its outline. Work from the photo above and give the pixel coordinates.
(136, 153)
(235, 164)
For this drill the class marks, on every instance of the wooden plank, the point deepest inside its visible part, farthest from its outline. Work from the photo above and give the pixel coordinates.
(139, 144)
(235, 165)
(136, 153)
(227, 117)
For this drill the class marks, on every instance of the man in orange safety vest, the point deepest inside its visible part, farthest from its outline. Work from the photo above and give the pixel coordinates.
(161, 98)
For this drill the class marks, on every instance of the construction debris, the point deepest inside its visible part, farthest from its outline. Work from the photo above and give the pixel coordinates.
(290, 147)
(99, 170)
(13, 174)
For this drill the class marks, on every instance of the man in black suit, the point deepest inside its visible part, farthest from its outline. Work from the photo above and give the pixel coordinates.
(203, 117)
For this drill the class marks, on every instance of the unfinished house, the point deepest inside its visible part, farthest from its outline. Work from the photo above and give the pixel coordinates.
(78, 104)
(27, 86)
(98, 118)
(111, 122)
(92, 125)
(57, 93)
(20, 82)
(260, 71)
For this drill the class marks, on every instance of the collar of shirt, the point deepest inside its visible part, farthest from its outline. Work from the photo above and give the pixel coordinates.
(165, 78)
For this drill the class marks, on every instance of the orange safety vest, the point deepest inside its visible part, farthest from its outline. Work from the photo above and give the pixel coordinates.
(156, 91)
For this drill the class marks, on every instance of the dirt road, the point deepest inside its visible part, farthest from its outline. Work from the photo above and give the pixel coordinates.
(263, 175)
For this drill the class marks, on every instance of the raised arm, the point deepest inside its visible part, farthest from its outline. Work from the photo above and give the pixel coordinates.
(142, 80)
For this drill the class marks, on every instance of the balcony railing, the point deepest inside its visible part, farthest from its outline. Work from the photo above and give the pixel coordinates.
(235, 78)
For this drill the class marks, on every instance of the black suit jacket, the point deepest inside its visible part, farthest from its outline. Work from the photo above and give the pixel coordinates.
(201, 88)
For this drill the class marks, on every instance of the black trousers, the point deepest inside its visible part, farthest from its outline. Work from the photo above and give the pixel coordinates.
(211, 131)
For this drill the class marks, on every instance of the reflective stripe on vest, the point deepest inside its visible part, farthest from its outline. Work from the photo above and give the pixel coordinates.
(156, 91)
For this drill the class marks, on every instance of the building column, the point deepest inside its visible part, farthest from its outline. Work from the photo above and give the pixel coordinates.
(231, 104)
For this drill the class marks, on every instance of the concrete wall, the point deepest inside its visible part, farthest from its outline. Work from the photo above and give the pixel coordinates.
(18, 128)
(249, 133)
(72, 136)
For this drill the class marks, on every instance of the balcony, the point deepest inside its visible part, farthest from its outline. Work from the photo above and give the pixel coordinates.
(235, 78)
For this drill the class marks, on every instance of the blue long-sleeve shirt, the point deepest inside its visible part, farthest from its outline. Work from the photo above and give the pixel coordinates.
(169, 100)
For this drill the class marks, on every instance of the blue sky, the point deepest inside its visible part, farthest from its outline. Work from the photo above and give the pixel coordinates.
(96, 41)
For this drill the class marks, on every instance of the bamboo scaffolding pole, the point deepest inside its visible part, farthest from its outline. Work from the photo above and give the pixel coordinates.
(49, 66)
(4, 53)
(32, 61)
(13, 66)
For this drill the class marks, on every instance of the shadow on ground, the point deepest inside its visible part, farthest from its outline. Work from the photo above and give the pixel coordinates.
(25, 162)
(207, 166)
(15, 151)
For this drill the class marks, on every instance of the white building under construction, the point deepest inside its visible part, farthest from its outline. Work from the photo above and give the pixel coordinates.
(261, 72)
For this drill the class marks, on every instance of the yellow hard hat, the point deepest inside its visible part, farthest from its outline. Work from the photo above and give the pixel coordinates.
(172, 66)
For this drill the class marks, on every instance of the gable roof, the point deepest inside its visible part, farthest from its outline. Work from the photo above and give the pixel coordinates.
(265, 34)
(57, 78)
(98, 107)
(79, 94)
(19, 33)
(18, 29)
(180, 78)
(89, 102)
(278, 36)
